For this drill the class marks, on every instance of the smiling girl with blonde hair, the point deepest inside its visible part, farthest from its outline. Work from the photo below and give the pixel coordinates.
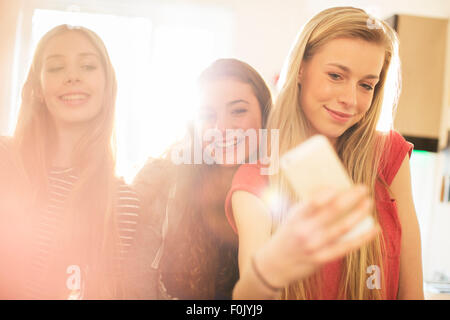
(333, 84)
(77, 221)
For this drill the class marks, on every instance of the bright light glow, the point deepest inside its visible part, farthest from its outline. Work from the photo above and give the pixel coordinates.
(385, 123)
(180, 55)
(156, 68)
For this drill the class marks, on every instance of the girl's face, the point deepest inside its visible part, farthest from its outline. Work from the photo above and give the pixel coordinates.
(230, 104)
(337, 84)
(72, 79)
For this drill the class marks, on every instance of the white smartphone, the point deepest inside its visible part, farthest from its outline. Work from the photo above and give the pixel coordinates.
(314, 165)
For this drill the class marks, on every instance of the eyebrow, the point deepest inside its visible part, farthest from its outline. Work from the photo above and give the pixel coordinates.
(83, 54)
(346, 69)
(229, 104)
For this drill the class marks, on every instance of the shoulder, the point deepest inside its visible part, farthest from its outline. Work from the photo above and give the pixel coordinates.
(248, 178)
(395, 149)
(155, 176)
(154, 168)
(152, 186)
(251, 178)
(396, 142)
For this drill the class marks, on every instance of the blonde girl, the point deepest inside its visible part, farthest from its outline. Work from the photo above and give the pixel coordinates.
(333, 84)
(75, 222)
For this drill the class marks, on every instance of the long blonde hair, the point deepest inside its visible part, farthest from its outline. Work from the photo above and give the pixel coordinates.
(362, 166)
(92, 200)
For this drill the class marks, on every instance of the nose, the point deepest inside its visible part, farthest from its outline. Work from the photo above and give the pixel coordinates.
(223, 122)
(348, 95)
(72, 76)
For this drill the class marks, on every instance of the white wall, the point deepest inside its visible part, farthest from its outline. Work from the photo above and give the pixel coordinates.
(263, 29)
(437, 245)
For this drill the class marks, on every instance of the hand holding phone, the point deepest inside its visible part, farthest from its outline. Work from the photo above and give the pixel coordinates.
(313, 166)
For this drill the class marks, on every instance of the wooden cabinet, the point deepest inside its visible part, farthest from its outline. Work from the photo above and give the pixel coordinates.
(422, 110)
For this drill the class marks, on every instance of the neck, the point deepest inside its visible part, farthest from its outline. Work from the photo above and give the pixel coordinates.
(333, 142)
(223, 173)
(219, 179)
(67, 138)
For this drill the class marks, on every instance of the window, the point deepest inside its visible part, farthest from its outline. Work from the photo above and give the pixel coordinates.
(157, 58)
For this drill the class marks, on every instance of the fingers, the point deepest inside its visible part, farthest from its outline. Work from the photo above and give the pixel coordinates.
(330, 201)
(323, 198)
(327, 208)
(344, 202)
(340, 249)
(349, 222)
(322, 235)
(317, 228)
(305, 209)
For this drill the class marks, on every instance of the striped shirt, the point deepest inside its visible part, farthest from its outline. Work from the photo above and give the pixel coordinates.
(46, 232)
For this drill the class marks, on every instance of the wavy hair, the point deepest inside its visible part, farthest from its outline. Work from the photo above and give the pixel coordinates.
(195, 264)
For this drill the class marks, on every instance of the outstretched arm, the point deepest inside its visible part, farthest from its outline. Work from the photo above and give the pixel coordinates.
(254, 224)
(308, 238)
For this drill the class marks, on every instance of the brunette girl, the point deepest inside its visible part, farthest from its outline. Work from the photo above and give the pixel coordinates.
(185, 201)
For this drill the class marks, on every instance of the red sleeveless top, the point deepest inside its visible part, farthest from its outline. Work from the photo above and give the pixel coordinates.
(248, 178)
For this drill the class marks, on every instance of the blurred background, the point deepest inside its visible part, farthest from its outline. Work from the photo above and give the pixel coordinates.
(158, 48)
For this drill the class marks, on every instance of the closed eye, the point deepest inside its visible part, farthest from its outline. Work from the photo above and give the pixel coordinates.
(239, 111)
(89, 67)
(54, 69)
(367, 87)
(335, 76)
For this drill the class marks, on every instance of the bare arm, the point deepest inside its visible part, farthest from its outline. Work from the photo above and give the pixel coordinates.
(254, 227)
(308, 238)
(411, 277)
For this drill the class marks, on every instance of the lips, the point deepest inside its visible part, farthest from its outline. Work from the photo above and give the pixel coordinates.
(228, 143)
(74, 98)
(339, 116)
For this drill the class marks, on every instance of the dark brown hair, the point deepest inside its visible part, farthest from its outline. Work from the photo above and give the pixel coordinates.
(243, 72)
(198, 264)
